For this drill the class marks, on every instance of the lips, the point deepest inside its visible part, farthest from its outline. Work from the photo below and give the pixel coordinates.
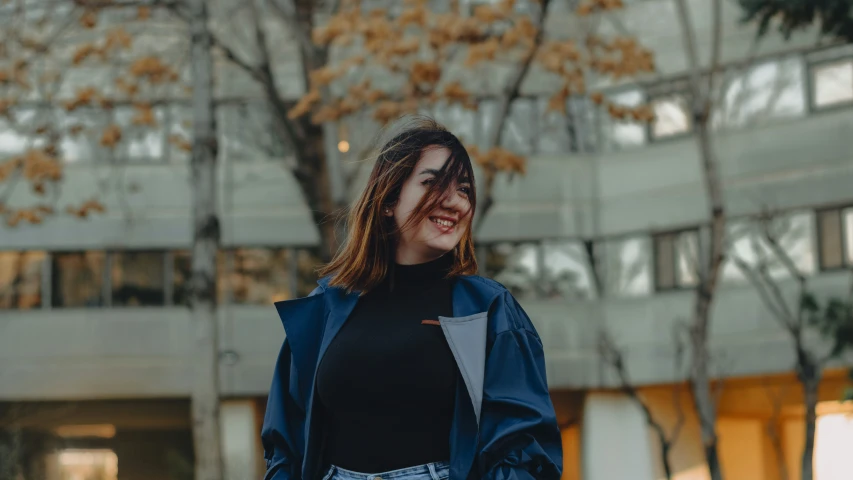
(446, 225)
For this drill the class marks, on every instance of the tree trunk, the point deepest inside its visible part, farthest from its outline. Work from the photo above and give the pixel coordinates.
(809, 373)
(810, 393)
(703, 397)
(206, 236)
(312, 176)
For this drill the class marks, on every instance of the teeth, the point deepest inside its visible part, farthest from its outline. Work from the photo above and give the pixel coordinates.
(444, 223)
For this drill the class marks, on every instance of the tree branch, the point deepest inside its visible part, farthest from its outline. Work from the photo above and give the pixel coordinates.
(782, 316)
(511, 92)
(716, 43)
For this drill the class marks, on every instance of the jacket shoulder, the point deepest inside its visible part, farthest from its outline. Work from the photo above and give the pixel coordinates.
(512, 316)
(487, 284)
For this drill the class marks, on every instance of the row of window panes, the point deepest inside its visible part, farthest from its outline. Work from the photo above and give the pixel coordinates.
(676, 252)
(750, 96)
(771, 90)
(257, 276)
(244, 132)
(549, 269)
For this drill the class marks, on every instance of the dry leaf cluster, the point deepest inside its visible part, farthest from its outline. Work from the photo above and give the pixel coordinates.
(498, 159)
(588, 7)
(153, 69)
(181, 143)
(88, 207)
(111, 136)
(144, 115)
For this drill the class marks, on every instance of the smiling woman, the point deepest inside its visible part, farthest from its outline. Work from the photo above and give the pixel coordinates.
(391, 348)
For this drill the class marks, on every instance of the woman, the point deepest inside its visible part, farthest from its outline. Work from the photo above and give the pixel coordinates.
(403, 364)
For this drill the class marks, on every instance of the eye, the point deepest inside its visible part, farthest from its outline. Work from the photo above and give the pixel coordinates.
(466, 189)
(428, 181)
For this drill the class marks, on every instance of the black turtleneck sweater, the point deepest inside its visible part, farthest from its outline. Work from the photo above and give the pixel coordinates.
(387, 381)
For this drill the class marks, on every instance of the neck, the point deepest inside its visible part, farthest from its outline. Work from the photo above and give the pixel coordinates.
(420, 274)
(408, 257)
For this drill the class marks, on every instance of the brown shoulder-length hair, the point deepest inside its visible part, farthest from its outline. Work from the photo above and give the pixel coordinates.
(367, 254)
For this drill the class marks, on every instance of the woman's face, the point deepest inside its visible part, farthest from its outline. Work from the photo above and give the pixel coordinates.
(443, 228)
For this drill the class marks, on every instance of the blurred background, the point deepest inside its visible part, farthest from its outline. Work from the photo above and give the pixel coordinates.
(666, 186)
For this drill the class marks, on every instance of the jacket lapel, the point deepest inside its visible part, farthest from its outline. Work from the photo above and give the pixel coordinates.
(467, 335)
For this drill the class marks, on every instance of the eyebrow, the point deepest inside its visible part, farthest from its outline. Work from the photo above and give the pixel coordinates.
(432, 171)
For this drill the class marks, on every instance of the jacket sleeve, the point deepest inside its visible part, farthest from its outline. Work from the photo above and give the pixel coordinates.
(283, 417)
(282, 434)
(518, 422)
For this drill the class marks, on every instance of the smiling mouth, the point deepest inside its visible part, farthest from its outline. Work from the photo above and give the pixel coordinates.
(445, 224)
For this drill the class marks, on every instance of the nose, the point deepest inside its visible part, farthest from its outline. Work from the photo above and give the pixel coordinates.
(454, 202)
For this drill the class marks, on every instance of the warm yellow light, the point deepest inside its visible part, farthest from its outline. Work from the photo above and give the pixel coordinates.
(99, 431)
(832, 446)
(343, 146)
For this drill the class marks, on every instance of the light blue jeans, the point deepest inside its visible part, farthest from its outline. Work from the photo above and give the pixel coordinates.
(429, 471)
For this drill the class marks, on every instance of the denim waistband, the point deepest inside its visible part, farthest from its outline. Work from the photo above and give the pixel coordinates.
(428, 471)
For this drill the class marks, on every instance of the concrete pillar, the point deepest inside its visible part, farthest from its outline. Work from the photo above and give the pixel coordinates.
(615, 440)
(240, 440)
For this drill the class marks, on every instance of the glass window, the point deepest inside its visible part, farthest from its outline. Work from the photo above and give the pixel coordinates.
(182, 270)
(142, 136)
(259, 276)
(672, 116)
(138, 278)
(77, 279)
(515, 265)
(20, 280)
(621, 134)
(307, 263)
(793, 233)
(832, 83)
(180, 125)
(79, 141)
(554, 129)
(568, 271)
(519, 133)
(459, 120)
(627, 266)
(767, 91)
(676, 259)
(246, 132)
(830, 232)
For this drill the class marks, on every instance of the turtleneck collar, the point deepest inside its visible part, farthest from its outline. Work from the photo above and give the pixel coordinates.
(421, 273)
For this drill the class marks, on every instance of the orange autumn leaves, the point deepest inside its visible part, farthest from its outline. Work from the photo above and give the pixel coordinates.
(415, 44)
(421, 52)
(39, 168)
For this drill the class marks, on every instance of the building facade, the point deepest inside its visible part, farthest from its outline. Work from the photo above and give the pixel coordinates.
(601, 233)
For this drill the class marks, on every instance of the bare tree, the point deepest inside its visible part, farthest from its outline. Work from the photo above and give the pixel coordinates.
(206, 241)
(701, 95)
(612, 355)
(797, 320)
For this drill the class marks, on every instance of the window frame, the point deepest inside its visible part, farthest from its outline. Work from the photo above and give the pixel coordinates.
(845, 256)
(677, 278)
(811, 83)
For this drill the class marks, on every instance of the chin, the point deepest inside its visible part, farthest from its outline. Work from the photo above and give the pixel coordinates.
(441, 248)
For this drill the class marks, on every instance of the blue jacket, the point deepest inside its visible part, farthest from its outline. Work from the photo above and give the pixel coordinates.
(504, 427)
